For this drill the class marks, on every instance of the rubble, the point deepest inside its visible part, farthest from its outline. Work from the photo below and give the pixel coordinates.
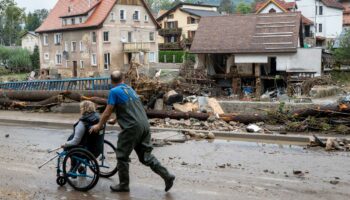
(331, 143)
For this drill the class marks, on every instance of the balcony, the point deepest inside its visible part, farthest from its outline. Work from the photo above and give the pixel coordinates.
(170, 31)
(134, 47)
(170, 46)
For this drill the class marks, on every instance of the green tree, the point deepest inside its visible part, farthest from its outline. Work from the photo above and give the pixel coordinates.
(243, 8)
(20, 60)
(226, 6)
(343, 52)
(35, 19)
(35, 58)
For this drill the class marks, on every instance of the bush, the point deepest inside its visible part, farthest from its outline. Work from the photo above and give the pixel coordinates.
(180, 56)
(168, 56)
(16, 60)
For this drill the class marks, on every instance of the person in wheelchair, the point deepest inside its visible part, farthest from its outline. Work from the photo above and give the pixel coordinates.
(81, 136)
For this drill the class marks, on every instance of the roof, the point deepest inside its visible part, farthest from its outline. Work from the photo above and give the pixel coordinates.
(101, 9)
(306, 21)
(280, 3)
(264, 33)
(333, 4)
(29, 32)
(200, 13)
(179, 5)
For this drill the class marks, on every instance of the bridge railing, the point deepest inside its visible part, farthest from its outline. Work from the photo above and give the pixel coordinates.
(59, 85)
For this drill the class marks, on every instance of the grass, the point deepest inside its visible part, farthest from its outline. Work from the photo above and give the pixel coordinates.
(14, 77)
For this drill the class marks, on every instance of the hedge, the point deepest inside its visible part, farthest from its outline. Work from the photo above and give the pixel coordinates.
(180, 56)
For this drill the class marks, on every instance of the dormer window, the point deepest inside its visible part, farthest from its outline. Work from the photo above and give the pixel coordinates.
(73, 21)
(80, 20)
(136, 15)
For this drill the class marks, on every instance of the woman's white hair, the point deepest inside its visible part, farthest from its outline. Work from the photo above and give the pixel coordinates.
(87, 107)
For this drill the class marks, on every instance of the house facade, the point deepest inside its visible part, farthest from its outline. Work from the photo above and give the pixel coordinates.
(29, 41)
(255, 53)
(180, 24)
(89, 38)
(327, 16)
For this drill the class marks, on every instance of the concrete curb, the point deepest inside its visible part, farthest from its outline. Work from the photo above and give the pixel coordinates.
(220, 134)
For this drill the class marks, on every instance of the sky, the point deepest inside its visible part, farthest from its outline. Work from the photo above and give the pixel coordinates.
(31, 5)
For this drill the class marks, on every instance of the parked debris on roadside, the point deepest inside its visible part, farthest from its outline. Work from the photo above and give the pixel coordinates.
(330, 144)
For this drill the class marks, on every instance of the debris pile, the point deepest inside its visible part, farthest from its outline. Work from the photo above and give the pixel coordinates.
(308, 84)
(330, 144)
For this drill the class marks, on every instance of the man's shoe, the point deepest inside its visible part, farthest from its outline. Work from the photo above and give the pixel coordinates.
(169, 183)
(119, 188)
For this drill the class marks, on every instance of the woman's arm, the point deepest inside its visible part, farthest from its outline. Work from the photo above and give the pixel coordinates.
(79, 132)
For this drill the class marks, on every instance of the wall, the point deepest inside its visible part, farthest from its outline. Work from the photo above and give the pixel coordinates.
(117, 31)
(331, 19)
(29, 42)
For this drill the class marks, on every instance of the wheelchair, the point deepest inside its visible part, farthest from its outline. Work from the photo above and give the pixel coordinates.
(81, 169)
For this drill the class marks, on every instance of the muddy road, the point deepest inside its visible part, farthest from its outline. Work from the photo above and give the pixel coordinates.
(205, 170)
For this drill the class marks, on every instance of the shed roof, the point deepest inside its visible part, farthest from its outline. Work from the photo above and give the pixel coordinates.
(263, 33)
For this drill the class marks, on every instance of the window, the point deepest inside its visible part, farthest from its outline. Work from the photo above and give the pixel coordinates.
(46, 56)
(151, 36)
(136, 15)
(106, 36)
(93, 59)
(74, 46)
(73, 21)
(66, 47)
(67, 63)
(320, 28)
(80, 20)
(107, 63)
(171, 16)
(122, 14)
(112, 16)
(58, 59)
(129, 36)
(191, 20)
(320, 11)
(64, 22)
(146, 18)
(81, 46)
(58, 37)
(81, 64)
(152, 57)
(93, 36)
(272, 10)
(46, 41)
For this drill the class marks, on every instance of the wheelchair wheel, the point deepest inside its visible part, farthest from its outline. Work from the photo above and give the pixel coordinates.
(80, 169)
(108, 160)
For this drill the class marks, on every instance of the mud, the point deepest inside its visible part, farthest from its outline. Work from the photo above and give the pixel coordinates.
(217, 169)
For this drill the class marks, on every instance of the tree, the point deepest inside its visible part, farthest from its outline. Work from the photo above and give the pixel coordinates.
(343, 52)
(35, 58)
(243, 8)
(226, 6)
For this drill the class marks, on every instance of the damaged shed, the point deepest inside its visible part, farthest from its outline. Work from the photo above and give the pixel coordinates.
(253, 54)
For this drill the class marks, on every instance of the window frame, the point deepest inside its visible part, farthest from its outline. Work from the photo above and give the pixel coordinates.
(106, 33)
(152, 35)
(71, 46)
(93, 37)
(57, 36)
(320, 28)
(93, 55)
(320, 10)
(138, 15)
(146, 18)
(124, 15)
(81, 46)
(106, 63)
(58, 61)
(81, 64)
(46, 40)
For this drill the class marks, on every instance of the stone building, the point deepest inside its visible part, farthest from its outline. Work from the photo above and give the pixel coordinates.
(29, 41)
(90, 38)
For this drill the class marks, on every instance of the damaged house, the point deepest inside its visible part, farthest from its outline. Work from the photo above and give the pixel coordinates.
(252, 54)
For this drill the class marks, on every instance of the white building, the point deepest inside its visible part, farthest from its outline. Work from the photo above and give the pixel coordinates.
(327, 16)
(29, 40)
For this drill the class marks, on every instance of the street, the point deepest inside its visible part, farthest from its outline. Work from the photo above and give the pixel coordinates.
(219, 169)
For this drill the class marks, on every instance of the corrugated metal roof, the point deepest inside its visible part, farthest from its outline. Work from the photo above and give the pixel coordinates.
(201, 13)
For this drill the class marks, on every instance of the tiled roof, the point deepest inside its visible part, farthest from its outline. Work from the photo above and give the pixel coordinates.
(263, 33)
(332, 4)
(101, 9)
(201, 13)
(281, 3)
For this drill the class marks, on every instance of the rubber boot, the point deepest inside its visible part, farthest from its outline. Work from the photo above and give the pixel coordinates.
(167, 177)
(123, 173)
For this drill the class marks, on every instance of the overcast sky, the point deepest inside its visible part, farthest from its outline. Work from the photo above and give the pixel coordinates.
(31, 5)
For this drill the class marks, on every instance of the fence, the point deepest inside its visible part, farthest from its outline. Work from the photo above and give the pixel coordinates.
(60, 85)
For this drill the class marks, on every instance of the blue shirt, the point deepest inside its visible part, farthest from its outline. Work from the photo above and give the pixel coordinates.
(121, 94)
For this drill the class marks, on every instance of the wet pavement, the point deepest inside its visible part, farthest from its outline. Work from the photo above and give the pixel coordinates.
(217, 169)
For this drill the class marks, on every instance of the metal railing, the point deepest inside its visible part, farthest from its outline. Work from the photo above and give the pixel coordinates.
(60, 85)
